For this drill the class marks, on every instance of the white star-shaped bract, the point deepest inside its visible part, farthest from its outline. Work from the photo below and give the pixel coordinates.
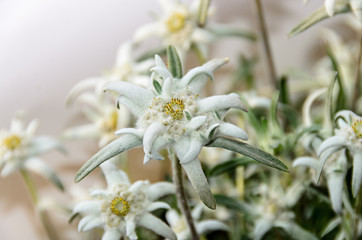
(348, 135)
(123, 206)
(172, 114)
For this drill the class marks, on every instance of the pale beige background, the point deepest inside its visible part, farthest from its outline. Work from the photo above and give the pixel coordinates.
(47, 46)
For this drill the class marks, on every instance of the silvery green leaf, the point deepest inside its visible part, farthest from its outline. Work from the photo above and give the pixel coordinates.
(231, 203)
(157, 87)
(331, 225)
(116, 147)
(249, 151)
(174, 63)
(317, 16)
(229, 165)
(221, 30)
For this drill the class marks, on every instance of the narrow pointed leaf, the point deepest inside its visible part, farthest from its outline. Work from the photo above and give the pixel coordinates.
(157, 87)
(317, 16)
(229, 165)
(249, 151)
(174, 63)
(231, 203)
(116, 147)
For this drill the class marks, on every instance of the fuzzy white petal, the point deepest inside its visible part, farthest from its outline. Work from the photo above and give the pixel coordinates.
(329, 5)
(157, 205)
(131, 229)
(357, 173)
(10, 167)
(231, 130)
(172, 217)
(38, 166)
(81, 86)
(156, 225)
(167, 87)
(198, 180)
(187, 149)
(83, 131)
(335, 182)
(207, 226)
(89, 222)
(146, 31)
(111, 234)
(152, 132)
(89, 207)
(135, 98)
(220, 102)
(307, 161)
(132, 131)
(335, 141)
(196, 122)
(43, 144)
(262, 226)
(113, 175)
(196, 78)
(157, 190)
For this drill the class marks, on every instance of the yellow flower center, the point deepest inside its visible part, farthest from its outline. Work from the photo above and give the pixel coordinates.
(175, 22)
(120, 207)
(175, 108)
(357, 127)
(110, 124)
(11, 142)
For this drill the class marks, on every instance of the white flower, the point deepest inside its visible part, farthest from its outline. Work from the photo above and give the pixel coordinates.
(172, 114)
(177, 26)
(123, 206)
(348, 135)
(20, 148)
(179, 226)
(99, 109)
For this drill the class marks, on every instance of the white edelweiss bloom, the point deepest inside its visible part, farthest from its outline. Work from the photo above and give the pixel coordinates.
(123, 206)
(20, 148)
(172, 114)
(272, 210)
(177, 26)
(179, 225)
(126, 68)
(348, 135)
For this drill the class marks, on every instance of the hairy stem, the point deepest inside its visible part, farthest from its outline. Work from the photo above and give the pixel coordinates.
(357, 89)
(48, 226)
(266, 46)
(181, 196)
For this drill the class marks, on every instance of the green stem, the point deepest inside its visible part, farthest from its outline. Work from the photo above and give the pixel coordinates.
(181, 196)
(49, 228)
(266, 46)
(357, 89)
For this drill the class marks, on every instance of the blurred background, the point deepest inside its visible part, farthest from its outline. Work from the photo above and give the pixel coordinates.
(46, 47)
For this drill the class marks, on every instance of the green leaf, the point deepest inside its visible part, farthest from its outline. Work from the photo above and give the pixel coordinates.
(274, 110)
(157, 87)
(249, 151)
(174, 63)
(229, 165)
(231, 203)
(114, 148)
(72, 217)
(221, 30)
(284, 93)
(317, 16)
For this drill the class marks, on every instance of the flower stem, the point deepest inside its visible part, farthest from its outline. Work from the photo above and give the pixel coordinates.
(266, 46)
(34, 197)
(181, 196)
(357, 89)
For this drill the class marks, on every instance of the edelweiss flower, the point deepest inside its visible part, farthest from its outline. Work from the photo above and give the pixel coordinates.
(179, 226)
(100, 110)
(19, 149)
(177, 26)
(172, 115)
(122, 206)
(348, 135)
